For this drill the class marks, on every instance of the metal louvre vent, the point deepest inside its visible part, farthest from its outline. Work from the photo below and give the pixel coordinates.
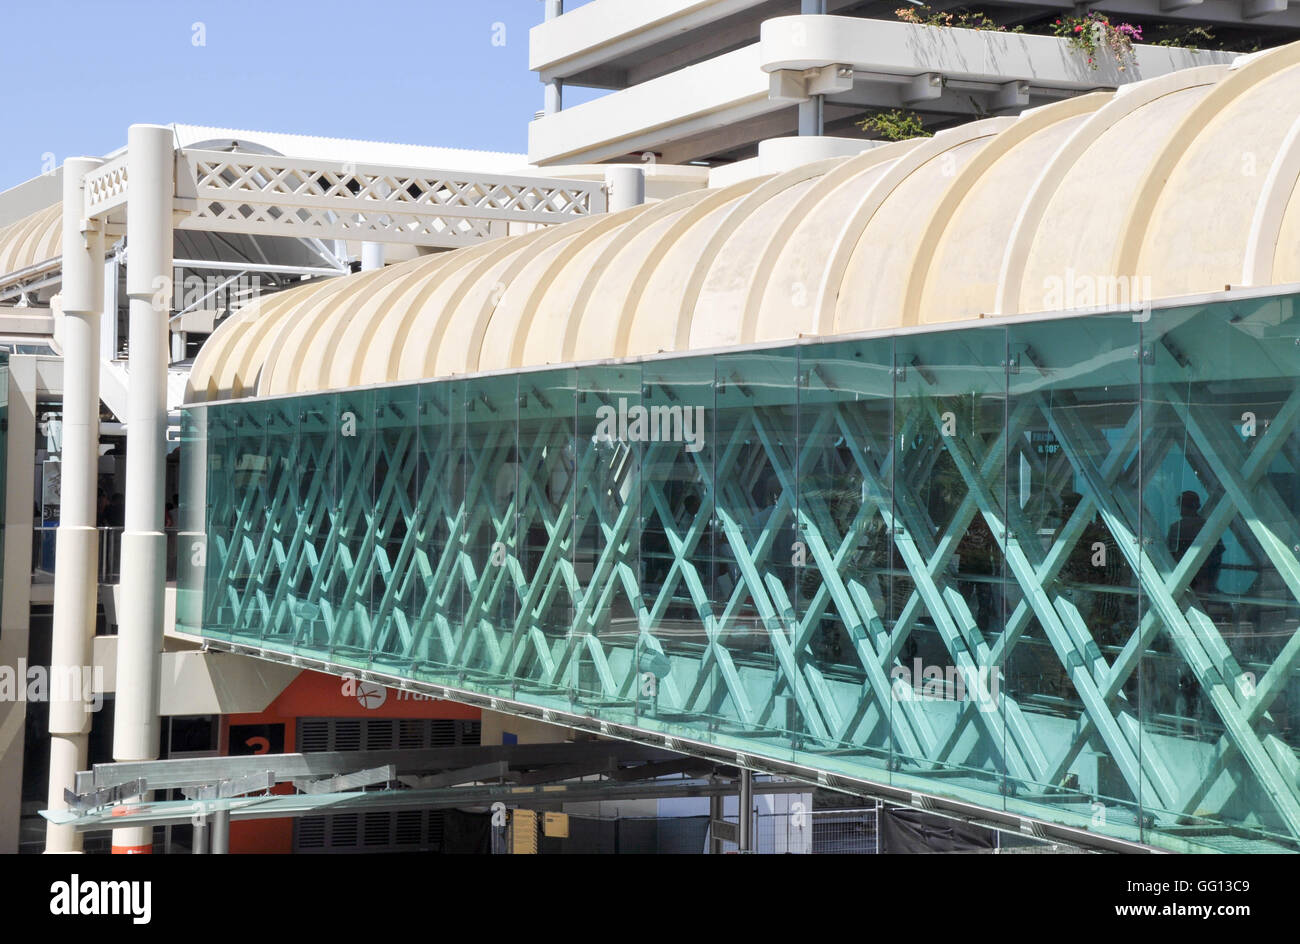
(408, 825)
(381, 734)
(310, 833)
(313, 735)
(343, 830)
(378, 831)
(443, 734)
(347, 735)
(410, 734)
(379, 828)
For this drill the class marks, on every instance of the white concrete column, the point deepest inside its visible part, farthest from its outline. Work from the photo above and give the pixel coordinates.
(372, 256)
(151, 172)
(372, 253)
(626, 186)
(76, 556)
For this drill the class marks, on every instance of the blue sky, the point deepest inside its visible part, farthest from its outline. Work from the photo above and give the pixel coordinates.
(77, 73)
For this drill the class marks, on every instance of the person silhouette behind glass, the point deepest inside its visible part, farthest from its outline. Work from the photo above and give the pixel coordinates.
(1183, 534)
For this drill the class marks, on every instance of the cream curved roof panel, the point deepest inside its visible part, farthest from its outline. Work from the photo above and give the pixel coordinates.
(472, 312)
(1286, 249)
(1268, 229)
(782, 297)
(220, 353)
(528, 324)
(594, 325)
(1189, 179)
(428, 323)
(33, 240)
(302, 342)
(726, 266)
(865, 285)
(347, 318)
(1077, 201)
(374, 325)
(1221, 157)
(658, 321)
(956, 264)
(600, 323)
(405, 310)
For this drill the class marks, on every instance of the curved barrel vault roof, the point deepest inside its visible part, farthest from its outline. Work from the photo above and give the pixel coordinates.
(1188, 180)
(32, 240)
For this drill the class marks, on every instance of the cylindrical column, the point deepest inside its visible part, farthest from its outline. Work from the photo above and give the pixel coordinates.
(626, 187)
(372, 256)
(151, 173)
(554, 100)
(715, 816)
(811, 122)
(554, 88)
(810, 117)
(220, 832)
(199, 834)
(75, 567)
(745, 832)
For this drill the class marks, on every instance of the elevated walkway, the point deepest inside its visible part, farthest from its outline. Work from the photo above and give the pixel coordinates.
(950, 472)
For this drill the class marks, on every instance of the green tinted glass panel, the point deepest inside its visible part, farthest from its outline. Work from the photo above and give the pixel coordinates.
(1051, 567)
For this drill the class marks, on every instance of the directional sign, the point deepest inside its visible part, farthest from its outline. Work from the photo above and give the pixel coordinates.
(728, 832)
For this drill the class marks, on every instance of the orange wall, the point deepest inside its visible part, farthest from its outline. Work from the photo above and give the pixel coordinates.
(317, 695)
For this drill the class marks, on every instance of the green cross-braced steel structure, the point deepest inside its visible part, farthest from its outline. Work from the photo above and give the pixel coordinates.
(1049, 567)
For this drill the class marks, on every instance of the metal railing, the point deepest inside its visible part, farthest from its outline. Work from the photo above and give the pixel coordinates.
(837, 832)
(816, 832)
(45, 541)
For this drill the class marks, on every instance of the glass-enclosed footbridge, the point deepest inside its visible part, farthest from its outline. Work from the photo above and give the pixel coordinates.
(964, 470)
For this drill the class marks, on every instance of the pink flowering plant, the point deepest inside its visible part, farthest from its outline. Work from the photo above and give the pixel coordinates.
(1095, 31)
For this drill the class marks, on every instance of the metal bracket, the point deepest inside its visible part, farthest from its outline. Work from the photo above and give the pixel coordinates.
(343, 783)
(251, 783)
(107, 796)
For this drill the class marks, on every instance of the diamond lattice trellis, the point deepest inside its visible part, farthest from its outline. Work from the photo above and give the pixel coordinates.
(237, 192)
(252, 193)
